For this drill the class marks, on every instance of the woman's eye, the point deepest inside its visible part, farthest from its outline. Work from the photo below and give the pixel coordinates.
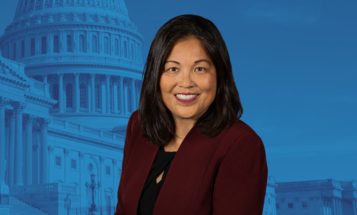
(200, 69)
(172, 69)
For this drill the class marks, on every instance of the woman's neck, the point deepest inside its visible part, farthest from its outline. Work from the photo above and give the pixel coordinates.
(182, 127)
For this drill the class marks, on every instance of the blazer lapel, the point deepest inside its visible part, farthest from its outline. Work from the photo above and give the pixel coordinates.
(145, 154)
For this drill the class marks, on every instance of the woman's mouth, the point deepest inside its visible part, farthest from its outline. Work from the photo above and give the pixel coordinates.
(186, 98)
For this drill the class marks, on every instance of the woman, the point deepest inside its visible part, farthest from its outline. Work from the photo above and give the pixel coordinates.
(186, 150)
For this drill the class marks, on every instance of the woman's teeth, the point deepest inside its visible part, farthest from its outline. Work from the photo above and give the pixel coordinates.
(186, 97)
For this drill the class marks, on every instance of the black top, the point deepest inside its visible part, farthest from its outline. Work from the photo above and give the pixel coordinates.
(151, 189)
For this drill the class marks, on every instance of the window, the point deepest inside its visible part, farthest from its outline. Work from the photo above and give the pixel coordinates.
(304, 204)
(290, 205)
(116, 44)
(106, 48)
(81, 43)
(55, 44)
(55, 94)
(32, 46)
(97, 104)
(23, 48)
(73, 164)
(83, 95)
(69, 96)
(277, 206)
(125, 49)
(14, 51)
(43, 49)
(107, 170)
(69, 43)
(94, 44)
(58, 161)
(268, 200)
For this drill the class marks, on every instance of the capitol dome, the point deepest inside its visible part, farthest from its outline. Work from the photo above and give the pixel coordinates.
(87, 51)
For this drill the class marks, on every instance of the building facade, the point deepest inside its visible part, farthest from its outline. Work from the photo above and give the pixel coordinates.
(70, 78)
(316, 197)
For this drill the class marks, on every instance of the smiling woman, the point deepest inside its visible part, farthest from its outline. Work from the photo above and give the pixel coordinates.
(188, 122)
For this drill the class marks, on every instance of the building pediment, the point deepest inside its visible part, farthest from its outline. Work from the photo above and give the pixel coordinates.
(14, 71)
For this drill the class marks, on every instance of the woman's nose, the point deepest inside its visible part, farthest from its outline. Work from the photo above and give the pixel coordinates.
(186, 79)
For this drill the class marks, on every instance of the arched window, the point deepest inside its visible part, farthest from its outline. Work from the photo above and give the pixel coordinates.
(83, 95)
(94, 44)
(55, 44)
(106, 48)
(69, 43)
(97, 104)
(81, 43)
(23, 48)
(55, 94)
(69, 100)
(14, 51)
(125, 49)
(132, 51)
(33, 46)
(116, 44)
(43, 49)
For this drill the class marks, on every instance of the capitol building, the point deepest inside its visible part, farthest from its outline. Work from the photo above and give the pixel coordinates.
(70, 77)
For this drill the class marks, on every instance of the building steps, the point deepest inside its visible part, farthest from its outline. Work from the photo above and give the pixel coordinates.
(21, 208)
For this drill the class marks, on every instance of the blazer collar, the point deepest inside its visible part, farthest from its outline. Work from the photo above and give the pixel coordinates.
(147, 154)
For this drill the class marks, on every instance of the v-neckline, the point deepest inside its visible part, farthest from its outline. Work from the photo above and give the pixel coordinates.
(149, 153)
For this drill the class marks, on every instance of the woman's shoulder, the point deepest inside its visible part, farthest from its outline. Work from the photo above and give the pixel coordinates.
(133, 123)
(240, 133)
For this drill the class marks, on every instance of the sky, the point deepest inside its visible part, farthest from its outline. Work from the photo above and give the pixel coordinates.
(295, 68)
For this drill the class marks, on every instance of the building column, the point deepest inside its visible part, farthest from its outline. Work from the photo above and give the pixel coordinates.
(339, 205)
(66, 153)
(19, 108)
(107, 83)
(35, 162)
(81, 156)
(60, 89)
(44, 78)
(354, 206)
(133, 95)
(4, 189)
(115, 96)
(77, 92)
(28, 150)
(11, 155)
(92, 78)
(122, 111)
(50, 157)
(102, 172)
(334, 206)
(44, 147)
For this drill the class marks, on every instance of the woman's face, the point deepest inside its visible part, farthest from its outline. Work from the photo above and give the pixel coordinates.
(188, 83)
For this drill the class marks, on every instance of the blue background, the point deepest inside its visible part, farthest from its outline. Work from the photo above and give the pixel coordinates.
(294, 64)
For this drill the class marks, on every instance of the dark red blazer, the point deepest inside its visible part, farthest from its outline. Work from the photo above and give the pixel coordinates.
(224, 175)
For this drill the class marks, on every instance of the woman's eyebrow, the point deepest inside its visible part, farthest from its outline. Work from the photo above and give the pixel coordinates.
(197, 61)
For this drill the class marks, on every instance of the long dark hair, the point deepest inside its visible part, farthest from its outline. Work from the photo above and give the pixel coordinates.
(155, 118)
